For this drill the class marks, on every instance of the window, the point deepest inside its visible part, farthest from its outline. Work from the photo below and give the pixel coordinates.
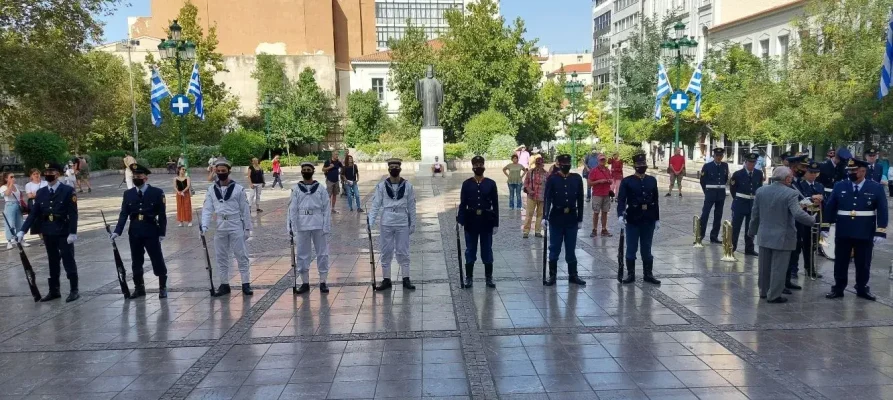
(622, 4)
(602, 62)
(783, 42)
(764, 49)
(603, 42)
(748, 47)
(378, 87)
(390, 18)
(602, 22)
(626, 23)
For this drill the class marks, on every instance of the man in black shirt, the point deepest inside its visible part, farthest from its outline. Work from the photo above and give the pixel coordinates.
(332, 169)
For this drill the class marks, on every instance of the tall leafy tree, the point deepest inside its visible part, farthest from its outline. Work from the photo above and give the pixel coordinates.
(366, 118)
(304, 113)
(270, 75)
(411, 56)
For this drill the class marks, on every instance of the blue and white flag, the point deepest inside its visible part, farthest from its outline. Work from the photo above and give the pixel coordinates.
(195, 89)
(159, 92)
(887, 68)
(663, 88)
(694, 86)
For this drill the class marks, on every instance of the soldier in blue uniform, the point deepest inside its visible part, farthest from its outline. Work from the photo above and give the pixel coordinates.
(563, 217)
(743, 186)
(55, 209)
(144, 205)
(810, 189)
(833, 169)
(638, 210)
(859, 206)
(714, 176)
(479, 214)
(875, 171)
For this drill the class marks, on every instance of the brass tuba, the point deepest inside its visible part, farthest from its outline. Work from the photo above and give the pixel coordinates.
(728, 255)
(697, 228)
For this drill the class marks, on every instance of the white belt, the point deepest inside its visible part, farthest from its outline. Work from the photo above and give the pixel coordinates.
(715, 186)
(827, 190)
(396, 209)
(857, 213)
(308, 211)
(229, 217)
(744, 196)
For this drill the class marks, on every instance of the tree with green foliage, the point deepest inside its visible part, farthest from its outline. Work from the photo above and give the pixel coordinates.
(39, 147)
(411, 56)
(366, 118)
(241, 146)
(483, 127)
(269, 73)
(304, 113)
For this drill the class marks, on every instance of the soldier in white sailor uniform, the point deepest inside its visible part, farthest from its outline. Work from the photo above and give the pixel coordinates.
(227, 199)
(394, 201)
(310, 220)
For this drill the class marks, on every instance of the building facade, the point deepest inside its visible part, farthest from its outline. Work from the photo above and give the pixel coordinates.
(391, 17)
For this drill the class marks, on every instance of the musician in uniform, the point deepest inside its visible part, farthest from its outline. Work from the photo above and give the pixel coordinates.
(796, 164)
(714, 176)
(394, 200)
(743, 186)
(227, 199)
(55, 209)
(832, 170)
(563, 217)
(859, 206)
(875, 170)
(310, 221)
(811, 189)
(479, 214)
(638, 210)
(145, 206)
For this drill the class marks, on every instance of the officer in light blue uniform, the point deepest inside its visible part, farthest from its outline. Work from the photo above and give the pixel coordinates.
(563, 218)
(714, 176)
(743, 186)
(859, 206)
(875, 170)
(56, 211)
(810, 188)
(639, 211)
(145, 206)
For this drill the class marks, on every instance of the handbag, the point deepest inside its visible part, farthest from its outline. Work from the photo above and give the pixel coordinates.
(22, 204)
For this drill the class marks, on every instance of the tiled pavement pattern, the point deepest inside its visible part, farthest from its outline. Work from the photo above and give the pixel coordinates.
(703, 334)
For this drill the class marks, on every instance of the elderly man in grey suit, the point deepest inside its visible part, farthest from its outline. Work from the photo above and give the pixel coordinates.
(775, 209)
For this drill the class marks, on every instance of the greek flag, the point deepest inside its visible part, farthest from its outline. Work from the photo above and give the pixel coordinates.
(887, 68)
(159, 92)
(694, 86)
(195, 89)
(663, 89)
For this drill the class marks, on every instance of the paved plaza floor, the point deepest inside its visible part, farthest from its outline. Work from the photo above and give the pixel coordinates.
(702, 334)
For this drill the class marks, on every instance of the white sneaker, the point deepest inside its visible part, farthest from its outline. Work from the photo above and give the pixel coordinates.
(190, 225)
(25, 244)
(9, 246)
(179, 224)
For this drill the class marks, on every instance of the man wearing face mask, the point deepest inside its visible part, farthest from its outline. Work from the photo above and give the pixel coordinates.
(859, 207)
(394, 200)
(145, 206)
(310, 220)
(228, 200)
(638, 210)
(56, 210)
(814, 191)
(875, 170)
(796, 164)
(479, 214)
(714, 176)
(743, 185)
(563, 218)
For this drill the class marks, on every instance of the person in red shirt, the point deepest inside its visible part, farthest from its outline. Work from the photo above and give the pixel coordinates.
(616, 172)
(277, 172)
(600, 179)
(676, 171)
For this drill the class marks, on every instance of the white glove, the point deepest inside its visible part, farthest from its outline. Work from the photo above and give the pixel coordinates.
(878, 239)
(20, 236)
(657, 225)
(825, 234)
(248, 235)
(160, 239)
(546, 223)
(113, 236)
(71, 238)
(495, 229)
(411, 229)
(202, 229)
(621, 220)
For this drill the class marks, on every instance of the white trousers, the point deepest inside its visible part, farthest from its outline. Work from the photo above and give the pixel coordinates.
(227, 244)
(394, 238)
(128, 178)
(304, 255)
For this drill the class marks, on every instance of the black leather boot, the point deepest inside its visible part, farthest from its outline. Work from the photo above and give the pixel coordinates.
(647, 267)
(572, 274)
(162, 287)
(223, 290)
(304, 288)
(53, 294)
(246, 289)
(469, 275)
(631, 271)
(407, 284)
(73, 293)
(488, 273)
(323, 288)
(139, 287)
(749, 247)
(385, 284)
(553, 271)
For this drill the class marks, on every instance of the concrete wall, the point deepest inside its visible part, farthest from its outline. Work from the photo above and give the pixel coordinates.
(354, 29)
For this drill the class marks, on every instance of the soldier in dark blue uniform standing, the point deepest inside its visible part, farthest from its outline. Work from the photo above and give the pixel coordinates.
(743, 186)
(145, 206)
(479, 214)
(833, 169)
(875, 171)
(714, 176)
(563, 217)
(811, 189)
(859, 206)
(56, 211)
(638, 210)
(797, 166)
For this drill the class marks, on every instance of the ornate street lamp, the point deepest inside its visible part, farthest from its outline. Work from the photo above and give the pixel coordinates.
(573, 90)
(178, 50)
(680, 48)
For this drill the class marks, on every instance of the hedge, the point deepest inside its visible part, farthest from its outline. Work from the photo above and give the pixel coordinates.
(196, 155)
(241, 146)
(625, 151)
(408, 150)
(289, 161)
(454, 151)
(99, 159)
(39, 147)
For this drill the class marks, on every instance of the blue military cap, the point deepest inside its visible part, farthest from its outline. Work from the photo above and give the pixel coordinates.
(640, 160)
(477, 160)
(719, 151)
(752, 157)
(53, 166)
(795, 159)
(844, 154)
(308, 165)
(812, 166)
(139, 169)
(786, 155)
(563, 158)
(855, 163)
(870, 151)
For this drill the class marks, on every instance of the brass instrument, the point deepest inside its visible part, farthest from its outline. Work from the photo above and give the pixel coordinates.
(815, 232)
(728, 255)
(697, 228)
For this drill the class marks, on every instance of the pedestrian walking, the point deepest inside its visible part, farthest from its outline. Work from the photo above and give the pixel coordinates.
(515, 172)
(351, 176)
(743, 187)
(13, 210)
(600, 180)
(310, 220)
(589, 163)
(145, 207)
(616, 172)
(479, 215)
(639, 211)
(277, 172)
(83, 174)
(332, 170)
(714, 177)
(776, 208)
(255, 175)
(55, 209)
(183, 187)
(564, 217)
(676, 170)
(394, 200)
(535, 187)
(227, 199)
(534, 155)
(523, 156)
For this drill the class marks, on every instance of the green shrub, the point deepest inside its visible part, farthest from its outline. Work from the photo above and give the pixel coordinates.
(399, 129)
(454, 151)
(241, 146)
(289, 161)
(99, 159)
(159, 156)
(39, 147)
(625, 151)
(501, 147)
(114, 162)
(408, 150)
(483, 127)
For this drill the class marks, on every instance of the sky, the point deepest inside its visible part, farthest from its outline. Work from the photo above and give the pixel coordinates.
(564, 26)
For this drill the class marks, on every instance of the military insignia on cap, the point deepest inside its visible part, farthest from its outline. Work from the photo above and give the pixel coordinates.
(814, 165)
(851, 163)
(47, 165)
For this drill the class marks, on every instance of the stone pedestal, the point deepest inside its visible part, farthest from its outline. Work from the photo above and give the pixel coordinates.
(432, 145)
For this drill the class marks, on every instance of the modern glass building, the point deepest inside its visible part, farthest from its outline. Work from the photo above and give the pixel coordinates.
(391, 17)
